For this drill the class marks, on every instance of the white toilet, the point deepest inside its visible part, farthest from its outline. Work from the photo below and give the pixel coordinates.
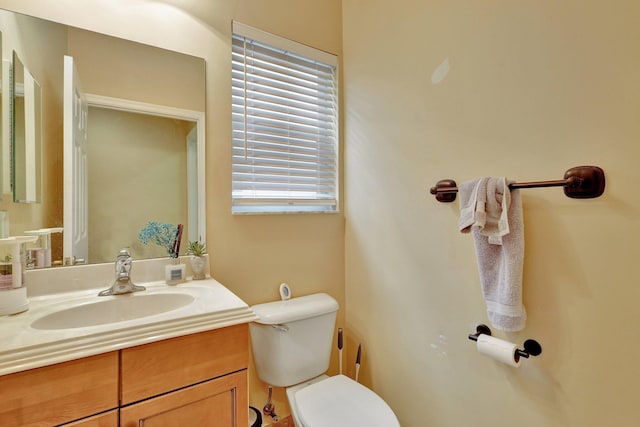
(292, 342)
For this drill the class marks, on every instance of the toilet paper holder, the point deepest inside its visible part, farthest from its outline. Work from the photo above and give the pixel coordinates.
(531, 347)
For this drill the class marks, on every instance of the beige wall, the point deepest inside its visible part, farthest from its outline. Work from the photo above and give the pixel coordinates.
(250, 254)
(533, 89)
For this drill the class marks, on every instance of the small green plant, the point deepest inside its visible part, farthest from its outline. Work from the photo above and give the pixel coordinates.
(196, 248)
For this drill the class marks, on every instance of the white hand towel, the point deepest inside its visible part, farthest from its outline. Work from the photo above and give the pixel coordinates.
(499, 243)
(498, 200)
(472, 204)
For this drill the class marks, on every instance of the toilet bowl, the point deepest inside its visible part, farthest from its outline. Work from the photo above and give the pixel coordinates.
(292, 342)
(338, 401)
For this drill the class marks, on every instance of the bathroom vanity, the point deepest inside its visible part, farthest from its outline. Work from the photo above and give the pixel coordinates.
(178, 366)
(180, 381)
(148, 358)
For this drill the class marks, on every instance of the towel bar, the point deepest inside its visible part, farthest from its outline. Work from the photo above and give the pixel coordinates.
(580, 182)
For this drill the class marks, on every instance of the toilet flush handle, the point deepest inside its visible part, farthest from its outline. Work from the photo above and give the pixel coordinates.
(285, 292)
(281, 327)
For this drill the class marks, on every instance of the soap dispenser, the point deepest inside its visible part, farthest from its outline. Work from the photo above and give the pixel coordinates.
(13, 291)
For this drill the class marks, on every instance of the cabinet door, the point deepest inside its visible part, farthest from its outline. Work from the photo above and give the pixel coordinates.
(60, 393)
(109, 419)
(152, 369)
(221, 402)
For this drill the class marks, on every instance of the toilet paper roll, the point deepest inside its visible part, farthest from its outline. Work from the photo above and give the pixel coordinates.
(500, 350)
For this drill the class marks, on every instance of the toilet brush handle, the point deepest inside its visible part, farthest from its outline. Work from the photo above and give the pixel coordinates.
(340, 348)
(358, 357)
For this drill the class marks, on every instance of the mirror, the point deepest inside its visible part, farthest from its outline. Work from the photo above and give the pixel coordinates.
(4, 80)
(26, 170)
(130, 87)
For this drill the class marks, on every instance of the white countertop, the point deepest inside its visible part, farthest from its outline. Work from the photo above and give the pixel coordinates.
(24, 347)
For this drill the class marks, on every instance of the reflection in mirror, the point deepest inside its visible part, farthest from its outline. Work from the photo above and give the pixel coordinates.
(4, 154)
(137, 164)
(118, 69)
(26, 130)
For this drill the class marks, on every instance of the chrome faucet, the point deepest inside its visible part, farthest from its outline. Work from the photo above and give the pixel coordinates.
(122, 284)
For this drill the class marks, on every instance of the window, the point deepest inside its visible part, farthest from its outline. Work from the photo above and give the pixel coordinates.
(285, 119)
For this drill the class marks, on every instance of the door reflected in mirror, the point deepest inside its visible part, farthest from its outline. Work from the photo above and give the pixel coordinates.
(137, 172)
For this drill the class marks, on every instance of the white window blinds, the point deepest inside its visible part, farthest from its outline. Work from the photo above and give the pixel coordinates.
(284, 116)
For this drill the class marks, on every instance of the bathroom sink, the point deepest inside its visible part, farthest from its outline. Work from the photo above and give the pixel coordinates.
(115, 309)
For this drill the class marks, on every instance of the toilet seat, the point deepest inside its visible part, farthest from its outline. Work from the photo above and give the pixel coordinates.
(340, 401)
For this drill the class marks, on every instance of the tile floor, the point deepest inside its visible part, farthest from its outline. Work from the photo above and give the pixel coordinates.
(286, 422)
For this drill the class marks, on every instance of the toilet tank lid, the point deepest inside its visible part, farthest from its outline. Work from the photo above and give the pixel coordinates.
(273, 313)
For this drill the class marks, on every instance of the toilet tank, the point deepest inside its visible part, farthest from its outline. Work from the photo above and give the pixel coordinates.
(292, 339)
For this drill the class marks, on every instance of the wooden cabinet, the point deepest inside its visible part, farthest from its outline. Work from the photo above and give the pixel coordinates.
(60, 393)
(221, 402)
(155, 368)
(193, 380)
(215, 361)
(109, 419)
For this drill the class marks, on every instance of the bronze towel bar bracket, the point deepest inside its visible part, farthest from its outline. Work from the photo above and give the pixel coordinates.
(580, 182)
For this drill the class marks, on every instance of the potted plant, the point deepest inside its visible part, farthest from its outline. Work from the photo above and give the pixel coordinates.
(197, 250)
